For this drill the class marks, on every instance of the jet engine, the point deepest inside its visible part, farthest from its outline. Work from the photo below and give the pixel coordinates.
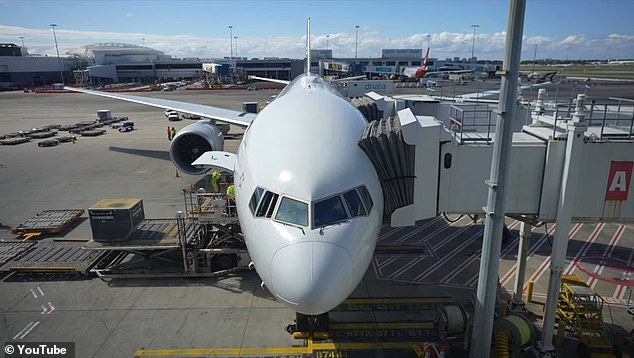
(191, 142)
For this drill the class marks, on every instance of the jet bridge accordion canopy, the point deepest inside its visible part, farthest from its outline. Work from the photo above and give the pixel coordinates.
(393, 159)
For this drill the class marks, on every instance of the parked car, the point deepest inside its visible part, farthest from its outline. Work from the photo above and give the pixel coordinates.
(126, 126)
(173, 117)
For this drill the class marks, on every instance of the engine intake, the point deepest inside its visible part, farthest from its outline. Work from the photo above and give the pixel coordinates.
(191, 142)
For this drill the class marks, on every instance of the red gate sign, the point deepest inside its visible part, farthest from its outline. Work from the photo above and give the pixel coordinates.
(619, 180)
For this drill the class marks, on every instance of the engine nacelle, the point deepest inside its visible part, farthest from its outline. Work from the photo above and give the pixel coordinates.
(191, 142)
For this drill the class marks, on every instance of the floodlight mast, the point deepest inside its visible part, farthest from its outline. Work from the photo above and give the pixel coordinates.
(308, 46)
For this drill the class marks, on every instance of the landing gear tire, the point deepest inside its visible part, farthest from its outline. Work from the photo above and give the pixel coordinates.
(309, 324)
(224, 262)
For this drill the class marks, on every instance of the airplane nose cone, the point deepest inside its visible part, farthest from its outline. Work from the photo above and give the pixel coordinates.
(314, 277)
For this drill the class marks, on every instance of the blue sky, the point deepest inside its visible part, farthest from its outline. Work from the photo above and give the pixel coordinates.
(560, 29)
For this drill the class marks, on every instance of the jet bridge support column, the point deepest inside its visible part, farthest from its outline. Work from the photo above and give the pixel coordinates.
(522, 251)
(572, 161)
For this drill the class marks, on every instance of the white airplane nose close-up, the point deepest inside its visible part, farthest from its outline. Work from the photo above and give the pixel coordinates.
(312, 276)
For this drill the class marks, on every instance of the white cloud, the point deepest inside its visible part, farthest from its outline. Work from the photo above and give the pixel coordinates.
(370, 42)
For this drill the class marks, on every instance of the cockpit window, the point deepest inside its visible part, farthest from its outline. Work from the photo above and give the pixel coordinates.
(292, 211)
(328, 211)
(267, 204)
(353, 202)
(365, 196)
(255, 199)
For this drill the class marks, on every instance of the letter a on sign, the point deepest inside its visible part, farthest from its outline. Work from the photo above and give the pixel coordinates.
(619, 180)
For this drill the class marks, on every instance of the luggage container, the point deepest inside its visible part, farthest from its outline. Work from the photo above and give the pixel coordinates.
(115, 219)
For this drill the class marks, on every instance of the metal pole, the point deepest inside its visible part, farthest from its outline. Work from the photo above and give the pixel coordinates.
(356, 40)
(327, 37)
(574, 148)
(231, 50)
(59, 62)
(525, 238)
(21, 38)
(236, 39)
(473, 45)
(495, 209)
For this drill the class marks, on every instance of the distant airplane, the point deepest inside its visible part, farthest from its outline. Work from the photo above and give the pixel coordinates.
(309, 200)
(538, 76)
(413, 72)
(410, 73)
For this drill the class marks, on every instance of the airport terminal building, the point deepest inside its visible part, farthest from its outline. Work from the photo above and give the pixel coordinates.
(107, 63)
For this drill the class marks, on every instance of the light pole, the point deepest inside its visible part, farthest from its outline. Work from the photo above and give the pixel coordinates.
(231, 42)
(21, 38)
(235, 38)
(59, 62)
(327, 37)
(231, 48)
(143, 42)
(356, 40)
(473, 45)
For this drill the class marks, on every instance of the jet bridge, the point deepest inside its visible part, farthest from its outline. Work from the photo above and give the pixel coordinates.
(446, 160)
(565, 166)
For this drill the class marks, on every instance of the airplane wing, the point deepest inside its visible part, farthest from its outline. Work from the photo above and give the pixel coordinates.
(219, 114)
(284, 82)
(346, 79)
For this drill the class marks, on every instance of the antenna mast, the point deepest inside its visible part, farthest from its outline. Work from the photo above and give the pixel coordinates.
(308, 46)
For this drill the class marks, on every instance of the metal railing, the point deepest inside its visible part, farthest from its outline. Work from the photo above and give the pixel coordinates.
(472, 122)
(619, 117)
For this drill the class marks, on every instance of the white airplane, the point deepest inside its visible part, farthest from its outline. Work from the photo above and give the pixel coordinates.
(413, 72)
(309, 201)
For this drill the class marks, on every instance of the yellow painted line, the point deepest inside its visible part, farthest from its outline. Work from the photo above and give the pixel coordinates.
(398, 300)
(221, 351)
(312, 346)
(382, 325)
(362, 346)
(174, 231)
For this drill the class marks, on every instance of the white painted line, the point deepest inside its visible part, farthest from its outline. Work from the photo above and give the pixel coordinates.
(584, 249)
(51, 308)
(33, 293)
(29, 330)
(598, 269)
(29, 327)
(41, 292)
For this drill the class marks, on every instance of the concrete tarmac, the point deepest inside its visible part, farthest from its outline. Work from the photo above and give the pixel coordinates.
(392, 309)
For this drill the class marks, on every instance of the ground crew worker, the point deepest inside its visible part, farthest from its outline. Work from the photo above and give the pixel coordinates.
(231, 200)
(215, 180)
(169, 133)
(231, 193)
(173, 133)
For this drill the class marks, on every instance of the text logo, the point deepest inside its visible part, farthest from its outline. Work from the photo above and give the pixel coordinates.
(619, 180)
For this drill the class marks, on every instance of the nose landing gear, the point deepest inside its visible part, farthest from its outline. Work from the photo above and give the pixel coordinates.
(309, 325)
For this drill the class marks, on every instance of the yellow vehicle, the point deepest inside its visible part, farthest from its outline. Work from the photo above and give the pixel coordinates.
(580, 310)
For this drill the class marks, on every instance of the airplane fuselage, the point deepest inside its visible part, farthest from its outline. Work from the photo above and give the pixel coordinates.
(302, 185)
